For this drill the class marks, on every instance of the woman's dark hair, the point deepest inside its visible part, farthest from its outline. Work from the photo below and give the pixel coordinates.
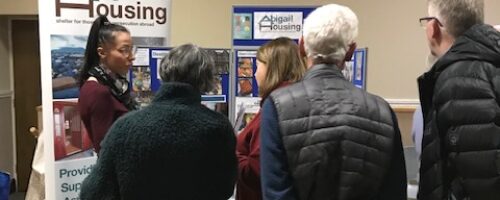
(101, 32)
(189, 64)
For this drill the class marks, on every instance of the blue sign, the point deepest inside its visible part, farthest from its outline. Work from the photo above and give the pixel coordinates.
(254, 26)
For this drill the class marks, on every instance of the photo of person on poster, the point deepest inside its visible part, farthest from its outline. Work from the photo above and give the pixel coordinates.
(245, 74)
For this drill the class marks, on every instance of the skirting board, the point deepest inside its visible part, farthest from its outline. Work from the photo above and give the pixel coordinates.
(404, 105)
(5, 94)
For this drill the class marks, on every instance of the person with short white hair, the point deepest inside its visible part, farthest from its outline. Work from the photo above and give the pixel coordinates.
(324, 138)
(329, 34)
(460, 98)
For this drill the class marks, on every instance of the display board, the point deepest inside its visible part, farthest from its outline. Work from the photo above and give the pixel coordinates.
(145, 78)
(252, 27)
(355, 70)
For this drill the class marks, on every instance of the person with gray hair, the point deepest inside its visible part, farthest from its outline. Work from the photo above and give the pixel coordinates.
(324, 138)
(175, 148)
(460, 99)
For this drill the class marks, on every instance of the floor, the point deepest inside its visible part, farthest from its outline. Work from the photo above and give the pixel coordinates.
(411, 168)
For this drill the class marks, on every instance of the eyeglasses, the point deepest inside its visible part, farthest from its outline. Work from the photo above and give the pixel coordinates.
(424, 20)
(127, 51)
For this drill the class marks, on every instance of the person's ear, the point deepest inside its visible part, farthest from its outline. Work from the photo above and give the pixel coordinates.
(350, 51)
(302, 49)
(101, 52)
(434, 31)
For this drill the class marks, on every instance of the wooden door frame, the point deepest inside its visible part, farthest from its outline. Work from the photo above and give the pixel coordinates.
(10, 19)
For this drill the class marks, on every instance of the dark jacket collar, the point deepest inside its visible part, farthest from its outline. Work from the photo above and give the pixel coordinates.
(177, 92)
(323, 70)
(481, 42)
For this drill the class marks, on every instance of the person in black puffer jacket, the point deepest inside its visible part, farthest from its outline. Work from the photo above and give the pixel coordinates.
(460, 97)
(323, 138)
(175, 148)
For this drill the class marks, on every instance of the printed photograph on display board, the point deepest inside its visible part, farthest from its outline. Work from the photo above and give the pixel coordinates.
(245, 87)
(246, 109)
(71, 139)
(221, 59)
(354, 70)
(245, 77)
(217, 99)
(242, 26)
(348, 70)
(141, 57)
(360, 68)
(156, 57)
(359, 65)
(220, 107)
(218, 87)
(245, 69)
(358, 72)
(141, 85)
(67, 54)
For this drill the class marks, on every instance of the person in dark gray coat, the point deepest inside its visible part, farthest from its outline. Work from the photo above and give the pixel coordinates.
(460, 98)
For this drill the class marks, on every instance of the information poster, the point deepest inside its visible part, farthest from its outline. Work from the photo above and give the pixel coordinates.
(246, 109)
(64, 27)
(270, 22)
(355, 69)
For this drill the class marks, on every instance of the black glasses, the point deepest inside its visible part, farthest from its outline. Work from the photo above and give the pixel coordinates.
(424, 20)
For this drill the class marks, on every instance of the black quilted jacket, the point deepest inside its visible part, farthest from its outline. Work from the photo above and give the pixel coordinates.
(341, 142)
(460, 102)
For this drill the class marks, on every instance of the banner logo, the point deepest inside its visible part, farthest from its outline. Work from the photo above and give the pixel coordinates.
(270, 25)
(159, 14)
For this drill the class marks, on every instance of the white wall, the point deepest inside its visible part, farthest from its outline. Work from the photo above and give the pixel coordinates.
(18, 7)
